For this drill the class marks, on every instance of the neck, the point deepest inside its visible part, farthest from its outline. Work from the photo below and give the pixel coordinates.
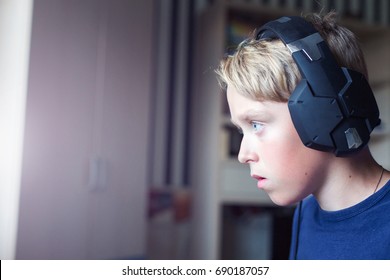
(350, 180)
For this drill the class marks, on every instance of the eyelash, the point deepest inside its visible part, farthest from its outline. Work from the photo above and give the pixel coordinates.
(253, 125)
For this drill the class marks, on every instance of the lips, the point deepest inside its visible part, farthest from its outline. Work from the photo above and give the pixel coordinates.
(260, 180)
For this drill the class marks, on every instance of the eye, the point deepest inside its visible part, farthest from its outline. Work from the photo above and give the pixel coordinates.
(257, 126)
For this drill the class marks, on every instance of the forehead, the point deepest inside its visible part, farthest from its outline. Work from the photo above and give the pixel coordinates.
(239, 102)
(242, 107)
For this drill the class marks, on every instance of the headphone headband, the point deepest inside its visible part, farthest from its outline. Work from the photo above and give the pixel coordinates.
(287, 29)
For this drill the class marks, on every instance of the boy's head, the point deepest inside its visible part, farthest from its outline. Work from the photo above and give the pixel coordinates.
(290, 60)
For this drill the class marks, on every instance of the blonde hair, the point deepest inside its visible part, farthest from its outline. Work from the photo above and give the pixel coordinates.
(265, 70)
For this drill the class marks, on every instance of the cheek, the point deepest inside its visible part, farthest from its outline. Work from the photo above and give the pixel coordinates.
(291, 162)
(283, 158)
(292, 170)
(297, 169)
(284, 147)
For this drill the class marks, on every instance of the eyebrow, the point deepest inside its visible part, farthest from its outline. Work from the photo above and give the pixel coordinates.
(251, 114)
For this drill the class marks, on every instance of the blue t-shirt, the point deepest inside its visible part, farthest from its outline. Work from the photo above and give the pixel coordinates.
(358, 232)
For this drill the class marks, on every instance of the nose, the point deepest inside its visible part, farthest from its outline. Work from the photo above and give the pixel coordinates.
(247, 153)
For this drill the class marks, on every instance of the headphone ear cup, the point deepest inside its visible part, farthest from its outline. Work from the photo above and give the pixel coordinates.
(341, 125)
(314, 117)
(361, 114)
(358, 99)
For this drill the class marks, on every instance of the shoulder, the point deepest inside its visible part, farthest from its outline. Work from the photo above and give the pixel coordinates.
(382, 200)
(309, 204)
(382, 197)
(307, 207)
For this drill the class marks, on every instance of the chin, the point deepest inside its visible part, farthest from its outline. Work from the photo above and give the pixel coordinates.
(283, 201)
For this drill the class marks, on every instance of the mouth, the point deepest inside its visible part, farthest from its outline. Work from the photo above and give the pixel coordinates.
(260, 181)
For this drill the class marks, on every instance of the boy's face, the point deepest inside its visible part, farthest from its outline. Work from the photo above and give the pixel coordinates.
(284, 168)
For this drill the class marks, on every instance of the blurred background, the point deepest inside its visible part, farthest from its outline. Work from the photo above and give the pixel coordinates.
(115, 138)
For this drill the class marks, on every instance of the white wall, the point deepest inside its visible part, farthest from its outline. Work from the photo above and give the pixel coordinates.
(88, 98)
(15, 24)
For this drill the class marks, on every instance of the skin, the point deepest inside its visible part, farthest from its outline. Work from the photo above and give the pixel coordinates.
(287, 170)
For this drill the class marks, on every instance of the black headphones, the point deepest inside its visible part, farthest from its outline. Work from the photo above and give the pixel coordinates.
(333, 108)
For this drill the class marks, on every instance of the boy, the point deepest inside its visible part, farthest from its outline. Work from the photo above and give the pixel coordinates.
(297, 90)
